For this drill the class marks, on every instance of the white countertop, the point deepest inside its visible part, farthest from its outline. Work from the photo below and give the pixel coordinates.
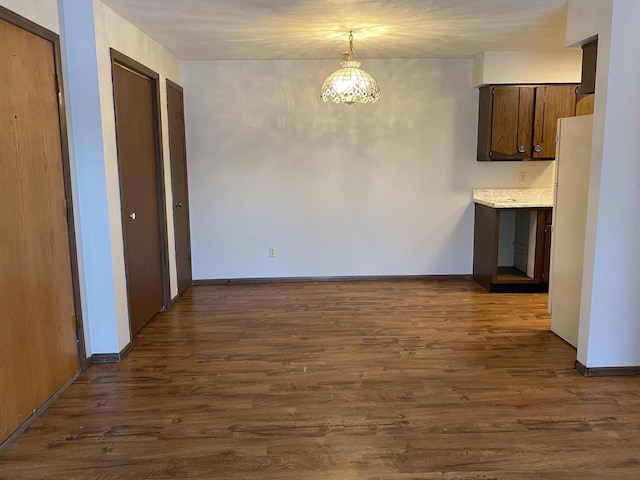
(514, 197)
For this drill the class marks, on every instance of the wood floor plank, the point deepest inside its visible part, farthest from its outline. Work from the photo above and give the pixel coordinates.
(384, 380)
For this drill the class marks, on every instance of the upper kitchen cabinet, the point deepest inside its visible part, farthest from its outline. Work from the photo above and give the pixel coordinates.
(589, 65)
(505, 123)
(552, 102)
(519, 122)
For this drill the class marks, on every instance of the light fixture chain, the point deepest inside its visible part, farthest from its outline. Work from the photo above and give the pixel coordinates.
(351, 49)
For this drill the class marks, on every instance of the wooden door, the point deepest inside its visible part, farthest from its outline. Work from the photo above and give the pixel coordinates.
(505, 123)
(543, 245)
(484, 124)
(589, 66)
(38, 349)
(485, 245)
(552, 102)
(139, 155)
(525, 122)
(585, 104)
(175, 102)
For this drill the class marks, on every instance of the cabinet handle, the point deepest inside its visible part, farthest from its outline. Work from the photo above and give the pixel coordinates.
(178, 205)
(537, 148)
(522, 149)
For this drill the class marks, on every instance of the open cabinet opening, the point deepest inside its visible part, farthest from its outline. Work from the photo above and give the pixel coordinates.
(517, 246)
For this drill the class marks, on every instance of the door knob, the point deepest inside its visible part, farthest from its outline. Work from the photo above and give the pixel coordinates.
(178, 205)
(132, 215)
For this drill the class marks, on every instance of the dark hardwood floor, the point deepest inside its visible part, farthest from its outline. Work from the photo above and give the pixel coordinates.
(382, 380)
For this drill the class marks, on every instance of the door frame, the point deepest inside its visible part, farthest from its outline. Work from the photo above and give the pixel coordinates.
(175, 86)
(31, 27)
(122, 60)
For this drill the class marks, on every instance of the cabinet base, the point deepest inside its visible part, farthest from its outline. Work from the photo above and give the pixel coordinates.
(519, 287)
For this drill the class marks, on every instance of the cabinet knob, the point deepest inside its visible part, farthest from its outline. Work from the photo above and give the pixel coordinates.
(537, 148)
(132, 215)
(178, 205)
(522, 149)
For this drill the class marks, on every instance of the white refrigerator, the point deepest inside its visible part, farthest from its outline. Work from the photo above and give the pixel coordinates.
(573, 159)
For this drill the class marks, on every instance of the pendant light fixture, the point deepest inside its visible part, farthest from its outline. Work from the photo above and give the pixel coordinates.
(350, 84)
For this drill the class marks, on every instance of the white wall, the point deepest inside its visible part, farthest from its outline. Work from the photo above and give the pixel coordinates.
(585, 18)
(91, 29)
(380, 189)
(113, 31)
(549, 66)
(506, 238)
(42, 12)
(609, 320)
(88, 177)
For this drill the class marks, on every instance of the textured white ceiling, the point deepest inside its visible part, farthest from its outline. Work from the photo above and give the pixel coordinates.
(318, 29)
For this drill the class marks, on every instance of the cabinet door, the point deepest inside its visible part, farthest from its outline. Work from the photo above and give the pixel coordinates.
(552, 102)
(485, 245)
(543, 246)
(511, 123)
(585, 104)
(484, 124)
(525, 122)
(589, 63)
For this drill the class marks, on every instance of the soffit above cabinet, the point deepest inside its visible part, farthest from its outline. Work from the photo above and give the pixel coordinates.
(531, 67)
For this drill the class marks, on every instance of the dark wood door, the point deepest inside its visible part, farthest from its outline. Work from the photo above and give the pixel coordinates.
(552, 102)
(543, 245)
(585, 104)
(179, 186)
(589, 65)
(38, 349)
(485, 245)
(138, 154)
(505, 123)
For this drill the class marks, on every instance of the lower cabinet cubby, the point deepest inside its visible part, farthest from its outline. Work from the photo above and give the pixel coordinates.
(512, 248)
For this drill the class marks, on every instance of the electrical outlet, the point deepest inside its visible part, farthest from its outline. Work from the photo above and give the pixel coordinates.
(272, 251)
(522, 177)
